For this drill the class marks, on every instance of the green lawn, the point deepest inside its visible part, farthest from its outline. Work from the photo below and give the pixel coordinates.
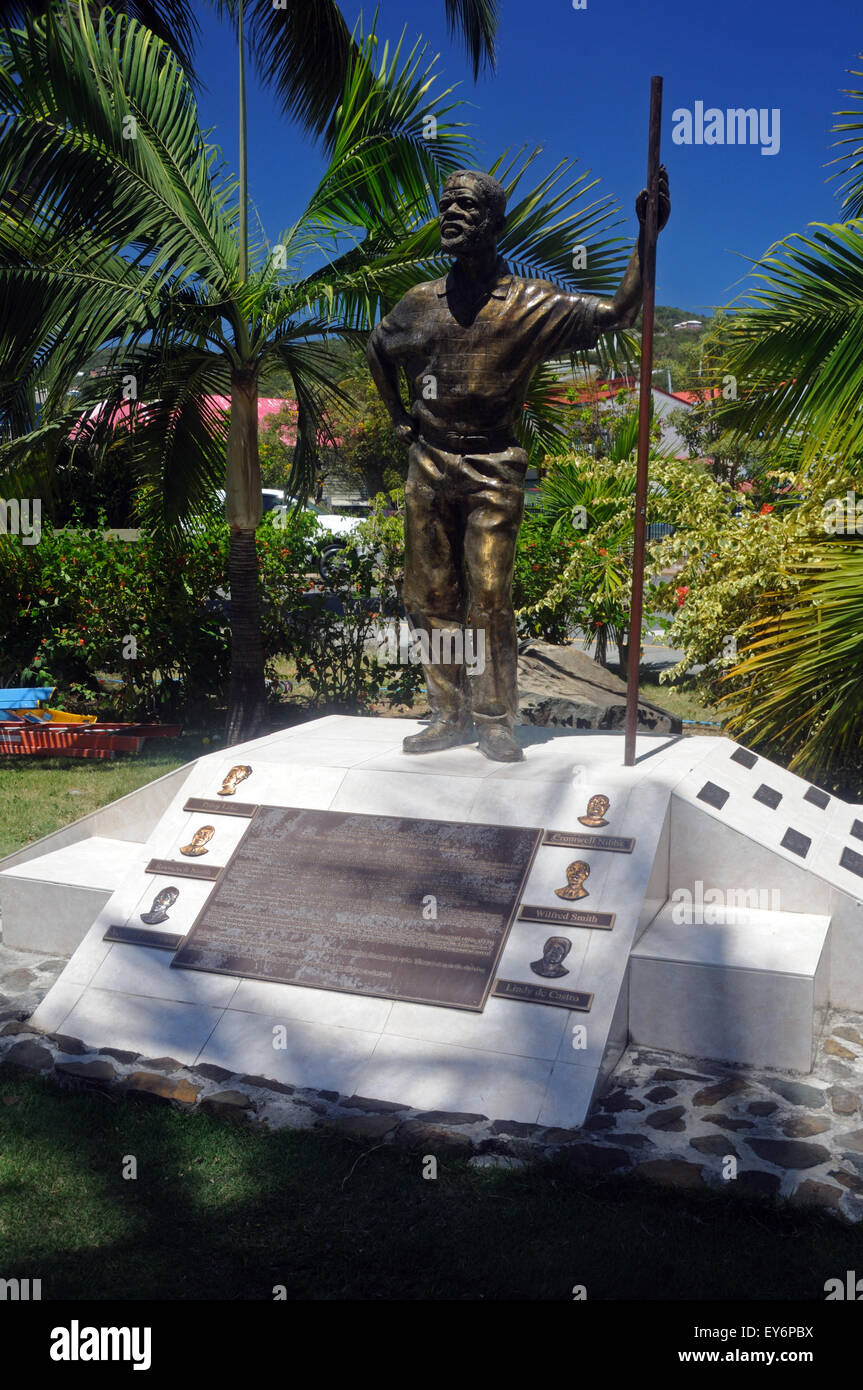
(223, 1212)
(38, 795)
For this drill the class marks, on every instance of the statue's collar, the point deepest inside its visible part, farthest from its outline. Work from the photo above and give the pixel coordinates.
(500, 285)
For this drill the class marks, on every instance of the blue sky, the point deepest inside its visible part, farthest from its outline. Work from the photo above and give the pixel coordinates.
(577, 83)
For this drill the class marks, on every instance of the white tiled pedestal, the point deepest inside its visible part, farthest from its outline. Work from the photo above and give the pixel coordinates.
(750, 987)
(746, 991)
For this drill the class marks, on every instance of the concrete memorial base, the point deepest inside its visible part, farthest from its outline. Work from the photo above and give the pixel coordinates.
(735, 918)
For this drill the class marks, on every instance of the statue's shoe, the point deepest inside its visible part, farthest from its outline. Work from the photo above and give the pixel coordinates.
(499, 745)
(441, 733)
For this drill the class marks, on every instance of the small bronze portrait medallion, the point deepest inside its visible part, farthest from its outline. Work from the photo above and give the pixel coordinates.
(576, 873)
(199, 841)
(159, 910)
(234, 778)
(597, 807)
(554, 953)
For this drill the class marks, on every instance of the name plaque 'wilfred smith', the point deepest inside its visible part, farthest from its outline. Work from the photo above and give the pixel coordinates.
(416, 910)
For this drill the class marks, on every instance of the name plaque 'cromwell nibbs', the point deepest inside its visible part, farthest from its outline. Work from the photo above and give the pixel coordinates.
(417, 910)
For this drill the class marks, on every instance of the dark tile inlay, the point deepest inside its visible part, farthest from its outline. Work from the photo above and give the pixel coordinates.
(797, 843)
(857, 830)
(713, 795)
(768, 796)
(744, 757)
(817, 798)
(850, 859)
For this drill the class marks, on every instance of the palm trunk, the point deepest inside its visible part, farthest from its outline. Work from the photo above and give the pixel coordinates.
(247, 697)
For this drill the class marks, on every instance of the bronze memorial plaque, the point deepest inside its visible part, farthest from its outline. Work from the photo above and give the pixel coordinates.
(210, 806)
(417, 910)
(175, 868)
(543, 994)
(566, 917)
(573, 839)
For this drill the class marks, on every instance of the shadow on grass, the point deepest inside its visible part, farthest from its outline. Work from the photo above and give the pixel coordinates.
(220, 1211)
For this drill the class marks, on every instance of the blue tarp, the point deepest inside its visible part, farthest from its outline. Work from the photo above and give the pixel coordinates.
(29, 698)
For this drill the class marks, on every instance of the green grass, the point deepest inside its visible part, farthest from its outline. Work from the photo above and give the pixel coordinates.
(226, 1212)
(682, 699)
(38, 795)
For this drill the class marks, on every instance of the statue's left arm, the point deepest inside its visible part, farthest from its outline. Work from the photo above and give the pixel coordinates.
(622, 310)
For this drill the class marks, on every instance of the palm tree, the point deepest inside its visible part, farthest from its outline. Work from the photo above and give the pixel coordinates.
(301, 48)
(796, 350)
(797, 354)
(131, 244)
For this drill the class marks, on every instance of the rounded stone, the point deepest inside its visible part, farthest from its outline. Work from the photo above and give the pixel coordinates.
(672, 1172)
(789, 1153)
(29, 1056)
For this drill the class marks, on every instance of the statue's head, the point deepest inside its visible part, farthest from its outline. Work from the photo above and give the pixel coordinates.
(472, 212)
(576, 873)
(555, 950)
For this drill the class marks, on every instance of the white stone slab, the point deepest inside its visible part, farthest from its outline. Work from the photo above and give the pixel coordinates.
(744, 938)
(136, 1023)
(97, 862)
(326, 1058)
(505, 1026)
(440, 1076)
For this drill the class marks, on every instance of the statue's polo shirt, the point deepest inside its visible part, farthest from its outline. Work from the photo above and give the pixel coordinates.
(472, 378)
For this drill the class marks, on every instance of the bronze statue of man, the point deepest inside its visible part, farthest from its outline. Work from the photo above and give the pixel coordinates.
(469, 345)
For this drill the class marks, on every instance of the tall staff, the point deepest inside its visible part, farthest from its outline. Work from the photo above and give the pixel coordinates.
(649, 294)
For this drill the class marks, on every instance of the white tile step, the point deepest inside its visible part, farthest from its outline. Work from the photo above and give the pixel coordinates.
(750, 987)
(96, 862)
(741, 938)
(50, 902)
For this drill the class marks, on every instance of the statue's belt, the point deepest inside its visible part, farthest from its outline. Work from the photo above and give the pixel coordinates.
(468, 443)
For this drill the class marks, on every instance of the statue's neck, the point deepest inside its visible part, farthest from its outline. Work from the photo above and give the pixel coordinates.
(476, 271)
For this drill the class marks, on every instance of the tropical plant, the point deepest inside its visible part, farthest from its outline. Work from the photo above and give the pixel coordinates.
(301, 48)
(797, 686)
(796, 352)
(574, 567)
(794, 341)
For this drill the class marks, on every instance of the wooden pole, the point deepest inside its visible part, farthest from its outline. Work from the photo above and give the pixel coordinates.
(648, 271)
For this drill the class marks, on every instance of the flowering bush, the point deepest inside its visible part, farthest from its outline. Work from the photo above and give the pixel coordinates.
(137, 629)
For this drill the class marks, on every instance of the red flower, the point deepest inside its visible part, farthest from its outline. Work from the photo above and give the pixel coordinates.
(681, 595)
(767, 507)
(602, 552)
(535, 567)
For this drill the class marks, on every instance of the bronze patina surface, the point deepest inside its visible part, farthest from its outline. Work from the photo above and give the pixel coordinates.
(383, 905)
(566, 917)
(574, 839)
(554, 953)
(468, 346)
(136, 936)
(176, 868)
(543, 994)
(211, 807)
(576, 874)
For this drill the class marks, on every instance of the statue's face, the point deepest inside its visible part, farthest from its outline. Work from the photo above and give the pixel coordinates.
(166, 899)
(555, 951)
(577, 873)
(598, 805)
(466, 220)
